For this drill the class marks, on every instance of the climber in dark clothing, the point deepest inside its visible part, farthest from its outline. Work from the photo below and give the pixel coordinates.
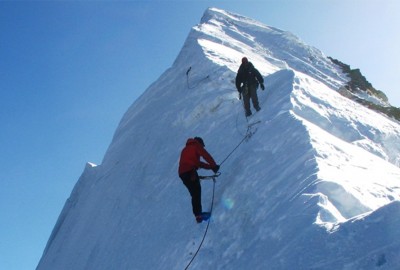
(247, 80)
(189, 163)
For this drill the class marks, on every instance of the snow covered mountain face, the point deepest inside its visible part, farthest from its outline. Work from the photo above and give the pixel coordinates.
(315, 186)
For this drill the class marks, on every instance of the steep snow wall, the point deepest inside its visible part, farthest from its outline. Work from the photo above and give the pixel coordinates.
(316, 186)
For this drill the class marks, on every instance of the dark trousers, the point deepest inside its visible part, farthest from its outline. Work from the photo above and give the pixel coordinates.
(192, 182)
(250, 93)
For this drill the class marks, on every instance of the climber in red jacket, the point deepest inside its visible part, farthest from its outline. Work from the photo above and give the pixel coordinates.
(188, 165)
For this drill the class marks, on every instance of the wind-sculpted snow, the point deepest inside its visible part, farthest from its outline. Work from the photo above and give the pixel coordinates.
(325, 108)
(264, 46)
(315, 186)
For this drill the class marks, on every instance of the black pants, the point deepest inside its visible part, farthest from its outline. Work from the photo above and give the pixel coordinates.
(192, 182)
(250, 93)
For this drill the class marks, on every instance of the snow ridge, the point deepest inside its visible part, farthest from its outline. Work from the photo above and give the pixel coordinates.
(316, 186)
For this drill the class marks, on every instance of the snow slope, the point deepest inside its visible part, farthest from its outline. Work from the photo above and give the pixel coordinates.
(316, 186)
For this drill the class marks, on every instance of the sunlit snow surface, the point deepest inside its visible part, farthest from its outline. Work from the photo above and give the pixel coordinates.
(316, 186)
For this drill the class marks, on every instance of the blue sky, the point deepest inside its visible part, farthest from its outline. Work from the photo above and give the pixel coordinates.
(69, 70)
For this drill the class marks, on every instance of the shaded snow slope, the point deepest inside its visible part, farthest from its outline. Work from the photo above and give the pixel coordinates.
(316, 186)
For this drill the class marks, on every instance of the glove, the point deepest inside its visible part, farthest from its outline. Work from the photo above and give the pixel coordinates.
(262, 86)
(216, 169)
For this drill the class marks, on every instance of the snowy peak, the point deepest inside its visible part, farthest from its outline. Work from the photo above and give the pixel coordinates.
(234, 36)
(264, 44)
(310, 182)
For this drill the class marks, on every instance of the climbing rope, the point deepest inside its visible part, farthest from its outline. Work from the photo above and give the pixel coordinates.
(213, 177)
(246, 136)
(198, 82)
(212, 200)
(208, 223)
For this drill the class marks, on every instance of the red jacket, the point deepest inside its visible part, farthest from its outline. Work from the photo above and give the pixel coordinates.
(190, 157)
